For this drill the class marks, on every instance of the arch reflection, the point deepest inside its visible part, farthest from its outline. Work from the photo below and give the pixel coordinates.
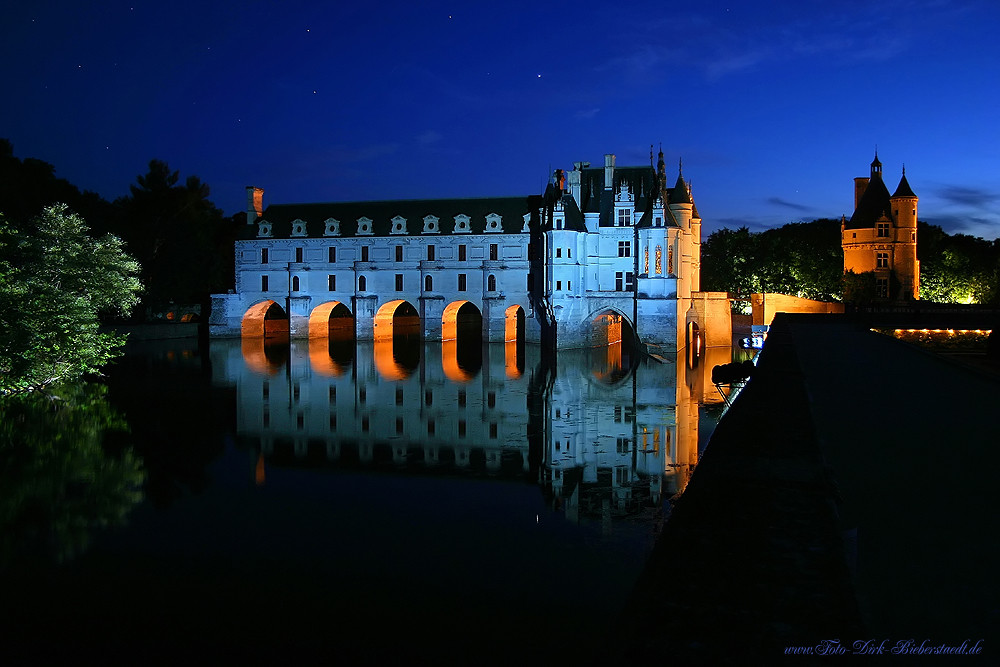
(604, 432)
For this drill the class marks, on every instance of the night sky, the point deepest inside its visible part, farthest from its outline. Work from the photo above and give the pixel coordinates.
(774, 106)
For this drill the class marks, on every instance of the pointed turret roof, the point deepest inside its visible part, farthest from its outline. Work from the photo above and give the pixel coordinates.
(680, 194)
(903, 189)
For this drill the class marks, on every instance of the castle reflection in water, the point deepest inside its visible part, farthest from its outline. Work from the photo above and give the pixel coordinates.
(604, 432)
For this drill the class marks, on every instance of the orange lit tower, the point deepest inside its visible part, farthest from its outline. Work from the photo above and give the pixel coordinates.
(881, 236)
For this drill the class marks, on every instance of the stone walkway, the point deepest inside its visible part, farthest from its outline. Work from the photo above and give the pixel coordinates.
(844, 497)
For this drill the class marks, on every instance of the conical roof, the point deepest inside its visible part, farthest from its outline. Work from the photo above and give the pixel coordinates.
(903, 189)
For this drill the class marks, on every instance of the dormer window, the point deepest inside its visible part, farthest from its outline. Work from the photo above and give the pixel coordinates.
(398, 225)
(331, 227)
(431, 225)
(264, 228)
(882, 229)
(298, 228)
(624, 193)
(560, 222)
(365, 226)
(493, 223)
(527, 219)
(462, 224)
(624, 217)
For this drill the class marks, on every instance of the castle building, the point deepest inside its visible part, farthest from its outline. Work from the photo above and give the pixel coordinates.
(881, 236)
(612, 253)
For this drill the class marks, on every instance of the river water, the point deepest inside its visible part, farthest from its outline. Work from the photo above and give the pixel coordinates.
(357, 502)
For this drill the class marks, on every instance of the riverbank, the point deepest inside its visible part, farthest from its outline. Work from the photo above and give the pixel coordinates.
(845, 496)
(157, 331)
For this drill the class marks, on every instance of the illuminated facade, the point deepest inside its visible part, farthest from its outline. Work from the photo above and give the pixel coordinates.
(881, 236)
(613, 245)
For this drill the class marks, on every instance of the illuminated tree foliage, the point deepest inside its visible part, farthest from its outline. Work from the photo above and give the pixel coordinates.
(57, 482)
(806, 260)
(803, 259)
(957, 268)
(54, 282)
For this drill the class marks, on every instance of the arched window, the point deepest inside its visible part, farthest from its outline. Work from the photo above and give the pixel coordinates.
(362, 284)
(491, 283)
(295, 283)
(428, 283)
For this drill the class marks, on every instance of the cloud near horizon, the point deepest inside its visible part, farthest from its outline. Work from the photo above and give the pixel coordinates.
(778, 201)
(966, 196)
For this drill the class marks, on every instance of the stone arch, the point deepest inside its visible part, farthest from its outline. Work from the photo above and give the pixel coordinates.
(460, 316)
(397, 317)
(264, 320)
(514, 341)
(693, 338)
(513, 329)
(332, 318)
(612, 340)
(608, 326)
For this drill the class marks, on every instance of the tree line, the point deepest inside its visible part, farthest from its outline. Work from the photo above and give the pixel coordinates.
(70, 259)
(805, 259)
(181, 240)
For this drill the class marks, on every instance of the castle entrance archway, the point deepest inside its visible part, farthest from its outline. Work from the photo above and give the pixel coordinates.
(612, 340)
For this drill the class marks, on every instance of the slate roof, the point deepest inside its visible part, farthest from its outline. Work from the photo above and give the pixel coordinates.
(874, 205)
(903, 189)
(876, 202)
(381, 213)
(644, 184)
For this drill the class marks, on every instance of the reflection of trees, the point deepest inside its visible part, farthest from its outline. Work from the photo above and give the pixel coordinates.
(57, 482)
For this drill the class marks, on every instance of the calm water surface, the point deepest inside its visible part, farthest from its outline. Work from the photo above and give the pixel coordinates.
(370, 501)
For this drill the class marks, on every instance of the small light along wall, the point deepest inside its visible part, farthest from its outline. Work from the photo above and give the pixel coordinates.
(943, 339)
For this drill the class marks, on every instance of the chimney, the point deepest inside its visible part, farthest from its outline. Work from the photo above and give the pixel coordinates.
(575, 177)
(609, 171)
(255, 204)
(860, 185)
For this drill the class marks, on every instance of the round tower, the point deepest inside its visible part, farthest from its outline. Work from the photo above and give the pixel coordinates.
(904, 204)
(904, 213)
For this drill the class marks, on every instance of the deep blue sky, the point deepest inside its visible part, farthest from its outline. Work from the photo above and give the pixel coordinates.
(774, 106)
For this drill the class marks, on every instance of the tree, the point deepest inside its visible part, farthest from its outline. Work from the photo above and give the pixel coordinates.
(957, 268)
(803, 259)
(175, 232)
(27, 186)
(54, 282)
(859, 288)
